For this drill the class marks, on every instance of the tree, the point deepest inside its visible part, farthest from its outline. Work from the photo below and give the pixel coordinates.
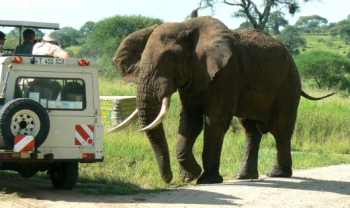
(86, 29)
(311, 23)
(276, 21)
(327, 69)
(245, 25)
(292, 39)
(342, 29)
(107, 34)
(249, 10)
(345, 33)
(67, 36)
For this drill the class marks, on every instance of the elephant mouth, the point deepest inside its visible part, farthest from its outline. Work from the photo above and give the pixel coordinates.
(154, 124)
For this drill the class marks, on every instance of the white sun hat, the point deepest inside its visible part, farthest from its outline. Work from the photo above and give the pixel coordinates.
(48, 38)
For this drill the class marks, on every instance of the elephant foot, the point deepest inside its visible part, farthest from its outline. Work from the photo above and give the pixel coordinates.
(246, 174)
(210, 179)
(167, 177)
(280, 172)
(188, 176)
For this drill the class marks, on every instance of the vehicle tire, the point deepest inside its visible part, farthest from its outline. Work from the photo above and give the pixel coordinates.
(23, 116)
(64, 175)
(27, 172)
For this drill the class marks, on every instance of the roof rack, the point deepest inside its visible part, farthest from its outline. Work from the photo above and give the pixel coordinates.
(42, 25)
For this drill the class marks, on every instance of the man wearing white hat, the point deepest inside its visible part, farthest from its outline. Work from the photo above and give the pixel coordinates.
(48, 46)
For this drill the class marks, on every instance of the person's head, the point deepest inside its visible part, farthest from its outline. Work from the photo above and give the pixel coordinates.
(29, 35)
(50, 39)
(2, 39)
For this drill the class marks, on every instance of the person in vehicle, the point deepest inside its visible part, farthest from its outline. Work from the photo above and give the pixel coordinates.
(28, 42)
(2, 41)
(49, 47)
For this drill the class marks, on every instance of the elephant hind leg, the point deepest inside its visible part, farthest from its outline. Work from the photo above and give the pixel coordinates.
(249, 167)
(282, 132)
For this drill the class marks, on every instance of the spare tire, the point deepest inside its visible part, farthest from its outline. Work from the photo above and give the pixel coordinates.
(23, 116)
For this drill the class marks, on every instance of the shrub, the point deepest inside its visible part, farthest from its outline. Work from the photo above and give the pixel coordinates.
(328, 70)
(102, 42)
(292, 39)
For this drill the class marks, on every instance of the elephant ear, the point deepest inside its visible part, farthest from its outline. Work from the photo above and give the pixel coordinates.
(218, 55)
(129, 53)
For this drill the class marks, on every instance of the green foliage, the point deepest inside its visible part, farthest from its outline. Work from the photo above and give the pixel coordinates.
(86, 29)
(325, 42)
(328, 70)
(107, 34)
(292, 39)
(257, 14)
(276, 21)
(341, 29)
(311, 23)
(67, 36)
(245, 25)
(12, 39)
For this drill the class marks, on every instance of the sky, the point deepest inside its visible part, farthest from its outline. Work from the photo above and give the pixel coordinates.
(75, 13)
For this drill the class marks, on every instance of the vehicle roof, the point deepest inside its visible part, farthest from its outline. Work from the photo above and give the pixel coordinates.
(43, 25)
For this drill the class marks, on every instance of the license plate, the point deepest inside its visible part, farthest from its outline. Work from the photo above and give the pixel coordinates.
(47, 60)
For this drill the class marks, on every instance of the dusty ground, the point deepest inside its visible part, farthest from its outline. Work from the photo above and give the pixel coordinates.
(321, 187)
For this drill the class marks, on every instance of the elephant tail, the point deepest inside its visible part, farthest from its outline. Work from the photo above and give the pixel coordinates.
(309, 97)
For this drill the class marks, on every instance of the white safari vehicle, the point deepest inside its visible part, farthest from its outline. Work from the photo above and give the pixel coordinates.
(50, 116)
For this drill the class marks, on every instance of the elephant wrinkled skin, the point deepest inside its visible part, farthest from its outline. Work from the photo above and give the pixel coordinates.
(218, 74)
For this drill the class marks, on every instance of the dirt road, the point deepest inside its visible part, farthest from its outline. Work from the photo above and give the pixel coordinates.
(326, 187)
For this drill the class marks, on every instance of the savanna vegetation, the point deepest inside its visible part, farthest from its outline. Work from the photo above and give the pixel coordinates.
(322, 136)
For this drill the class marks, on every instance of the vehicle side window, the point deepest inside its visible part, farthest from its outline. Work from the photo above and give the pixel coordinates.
(53, 93)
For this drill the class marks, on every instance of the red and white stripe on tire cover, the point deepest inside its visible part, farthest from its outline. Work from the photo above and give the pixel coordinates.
(24, 143)
(84, 134)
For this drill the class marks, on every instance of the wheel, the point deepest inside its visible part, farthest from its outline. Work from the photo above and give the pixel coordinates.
(27, 172)
(64, 175)
(24, 116)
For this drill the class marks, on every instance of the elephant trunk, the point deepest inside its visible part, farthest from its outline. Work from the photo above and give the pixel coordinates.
(148, 111)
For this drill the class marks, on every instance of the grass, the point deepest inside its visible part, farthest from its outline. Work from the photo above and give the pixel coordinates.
(321, 138)
(326, 43)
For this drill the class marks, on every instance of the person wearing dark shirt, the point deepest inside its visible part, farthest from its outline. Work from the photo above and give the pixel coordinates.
(28, 42)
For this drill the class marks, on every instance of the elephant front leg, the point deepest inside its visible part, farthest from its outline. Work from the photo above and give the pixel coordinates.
(249, 168)
(191, 124)
(213, 138)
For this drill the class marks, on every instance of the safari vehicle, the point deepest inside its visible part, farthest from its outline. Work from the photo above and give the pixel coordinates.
(49, 114)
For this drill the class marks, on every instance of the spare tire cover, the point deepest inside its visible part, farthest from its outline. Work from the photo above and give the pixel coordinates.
(23, 116)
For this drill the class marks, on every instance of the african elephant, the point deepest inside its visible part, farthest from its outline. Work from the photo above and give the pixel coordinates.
(218, 74)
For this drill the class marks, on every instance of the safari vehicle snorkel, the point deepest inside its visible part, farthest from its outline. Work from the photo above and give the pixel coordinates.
(50, 118)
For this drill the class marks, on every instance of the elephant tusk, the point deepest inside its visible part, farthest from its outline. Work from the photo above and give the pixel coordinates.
(125, 123)
(161, 115)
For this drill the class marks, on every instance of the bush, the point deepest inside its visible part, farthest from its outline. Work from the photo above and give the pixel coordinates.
(328, 70)
(292, 39)
(103, 40)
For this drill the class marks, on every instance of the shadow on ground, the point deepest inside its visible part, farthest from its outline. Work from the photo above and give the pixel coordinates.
(299, 183)
(39, 188)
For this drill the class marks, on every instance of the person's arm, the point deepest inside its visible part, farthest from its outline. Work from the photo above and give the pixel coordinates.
(60, 53)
